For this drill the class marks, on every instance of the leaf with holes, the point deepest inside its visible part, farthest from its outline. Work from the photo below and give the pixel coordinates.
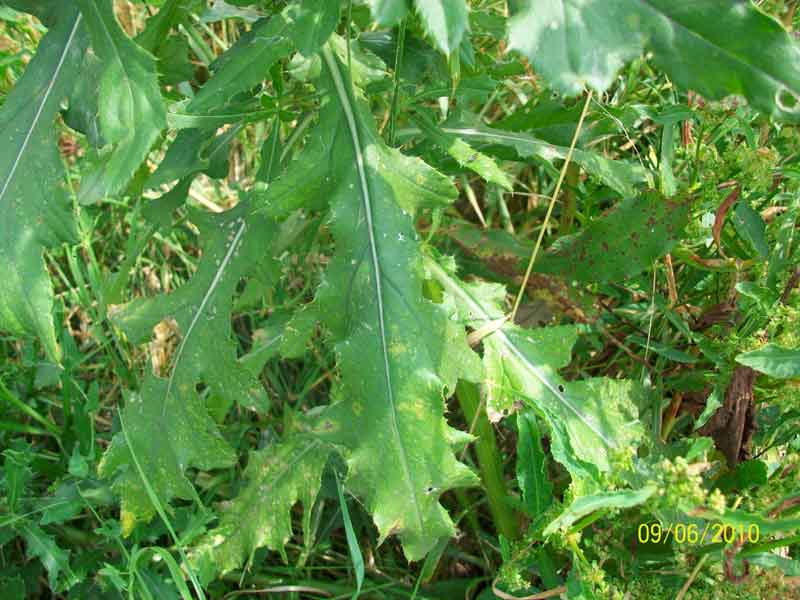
(619, 244)
(398, 352)
(277, 478)
(198, 315)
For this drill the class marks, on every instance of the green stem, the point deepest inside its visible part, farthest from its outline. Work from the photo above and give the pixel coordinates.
(398, 61)
(489, 461)
(569, 202)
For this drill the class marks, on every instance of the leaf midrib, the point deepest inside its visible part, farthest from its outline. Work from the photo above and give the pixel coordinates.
(376, 269)
(201, 309)
(40, 109)
(448, 282)
(118, 57)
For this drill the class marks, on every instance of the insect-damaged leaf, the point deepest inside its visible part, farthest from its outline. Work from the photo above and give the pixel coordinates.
(277, 478)
(35, 208)
(131, 111)
(235, 245)
(587, 419)
(578, 43)
(622, 243)
(397, 351)
(168, 435)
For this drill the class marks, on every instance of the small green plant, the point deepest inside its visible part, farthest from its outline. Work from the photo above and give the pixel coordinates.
(505, 292)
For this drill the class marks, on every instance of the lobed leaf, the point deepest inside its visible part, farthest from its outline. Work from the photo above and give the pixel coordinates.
(397, 351)
(579, 43)
(166, 435)
(234, 247)
(55, 559)
(588, 419)
(619, 175)
(35, 206)
(130, 108)
(277, 478)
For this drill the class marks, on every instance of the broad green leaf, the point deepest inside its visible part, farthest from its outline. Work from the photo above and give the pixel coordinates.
(195, 151)
(388, 12)
(168, 435)
(234, 245)
(131, 110)
(40, 545)
(618, 175)
(586, 505)
(772, 360)
(35, 207)
(445, 21)
(575, 44)
(240, 69)
(466, 156)
(588, 419)
(277, 478)
(751, 227)
(313, 22)
(619, 244)
(537, 491)
(397, 352)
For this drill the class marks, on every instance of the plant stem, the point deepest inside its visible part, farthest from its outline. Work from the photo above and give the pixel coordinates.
(556, 192)
(569, 203)
(489, 461)
(398, 61)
